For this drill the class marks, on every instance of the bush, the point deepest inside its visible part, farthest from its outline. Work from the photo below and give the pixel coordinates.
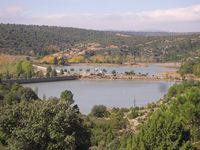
(99, 111)
(117, 121)
(67, 96)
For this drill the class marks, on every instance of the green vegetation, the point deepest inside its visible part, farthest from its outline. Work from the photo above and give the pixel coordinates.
(43, 40)
(28, 123)
(190, 67)
(15, 93)
(109, 132)
(16, 68)
(134, 113)
(51, 72)
(173, 125)
(67, 96)
(24, 69)
(163, 131)
(99, 111)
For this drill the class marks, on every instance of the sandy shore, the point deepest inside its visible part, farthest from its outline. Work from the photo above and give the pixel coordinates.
(131, 78)
(111, 65)
(170, 65)
(166, 65)
(135, 79)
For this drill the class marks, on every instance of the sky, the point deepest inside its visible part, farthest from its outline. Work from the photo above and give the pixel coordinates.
(126, 15)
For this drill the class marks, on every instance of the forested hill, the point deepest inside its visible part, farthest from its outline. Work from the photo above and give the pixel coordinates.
(36, 40)
(40, 40)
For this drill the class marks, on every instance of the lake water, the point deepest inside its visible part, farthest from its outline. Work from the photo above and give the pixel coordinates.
(113, 93)
(151, 69)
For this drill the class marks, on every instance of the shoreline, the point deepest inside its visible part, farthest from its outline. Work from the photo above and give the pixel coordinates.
(109, 65)
(140, 64)
(129, 79)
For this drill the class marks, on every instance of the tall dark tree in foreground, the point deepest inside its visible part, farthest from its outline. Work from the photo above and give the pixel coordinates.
(35, 124)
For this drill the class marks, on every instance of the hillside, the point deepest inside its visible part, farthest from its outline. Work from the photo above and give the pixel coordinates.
(36, 40)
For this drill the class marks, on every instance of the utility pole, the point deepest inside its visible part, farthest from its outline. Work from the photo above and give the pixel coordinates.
(134, 102)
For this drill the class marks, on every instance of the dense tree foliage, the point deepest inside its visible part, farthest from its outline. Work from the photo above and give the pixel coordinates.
(67, 96)
(43, 125)
(22, 68)
(163, 131)
(175, 126)
(110, 132)
(99, 111)
(28, 123)
(190, 67)
(15, 93)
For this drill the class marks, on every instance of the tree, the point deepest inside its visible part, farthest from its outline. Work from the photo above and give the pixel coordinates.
(19, 68)
(49, 69)
(61, 72)
(99, 111)
(67, 96)
(104, 70)
(39, 74)
(163, 131)
(28, 94)
(114, 73)
(47, 74)
(54, 73)
(55, 61)
(117, 121)
(25, 68)
(71, 69)
(17, 94)
(40, 125)
(88, 70)
(7, 75)
(61, 61)
(196, 70)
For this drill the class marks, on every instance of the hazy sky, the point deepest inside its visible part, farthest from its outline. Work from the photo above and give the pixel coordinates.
(136, 15)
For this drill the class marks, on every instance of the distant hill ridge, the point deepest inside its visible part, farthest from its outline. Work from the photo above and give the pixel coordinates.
(37, 40)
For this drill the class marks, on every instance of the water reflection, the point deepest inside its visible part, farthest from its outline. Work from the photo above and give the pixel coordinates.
(162, 87)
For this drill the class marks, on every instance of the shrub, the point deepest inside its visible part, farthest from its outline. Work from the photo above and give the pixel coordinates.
(99, 111)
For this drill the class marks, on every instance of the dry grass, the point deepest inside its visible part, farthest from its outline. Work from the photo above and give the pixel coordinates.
(6, 59)
(7, 62)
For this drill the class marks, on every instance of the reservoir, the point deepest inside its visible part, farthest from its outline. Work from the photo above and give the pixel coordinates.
(113, 93)
(150, 69)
